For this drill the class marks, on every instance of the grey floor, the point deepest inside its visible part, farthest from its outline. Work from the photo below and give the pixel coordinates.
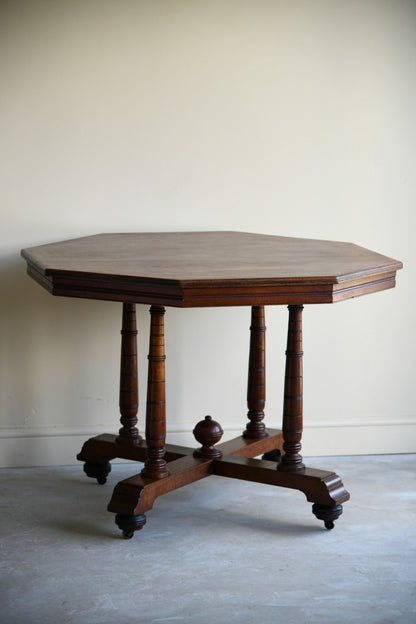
(219, 551)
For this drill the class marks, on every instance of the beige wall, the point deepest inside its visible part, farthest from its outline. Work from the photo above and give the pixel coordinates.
(293, 118)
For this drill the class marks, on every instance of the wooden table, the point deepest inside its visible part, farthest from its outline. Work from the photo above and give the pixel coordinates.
(204, 269)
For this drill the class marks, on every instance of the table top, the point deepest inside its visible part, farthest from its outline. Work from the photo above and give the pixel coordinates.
(199, 269)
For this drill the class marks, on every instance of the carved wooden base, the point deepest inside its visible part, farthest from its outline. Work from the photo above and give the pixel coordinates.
(168, 467)
(135, 496)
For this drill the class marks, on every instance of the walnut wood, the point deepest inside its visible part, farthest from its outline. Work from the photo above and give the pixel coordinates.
(256, 386)
(155, 464)
(106, 447)
(252, 447)
(180, 269)
(208, 432)
(129, 397)
(195, 269)
(319, 486)
(136, 495)
(293, 398)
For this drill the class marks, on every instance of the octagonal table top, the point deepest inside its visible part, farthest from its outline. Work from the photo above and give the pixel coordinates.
(201, 269)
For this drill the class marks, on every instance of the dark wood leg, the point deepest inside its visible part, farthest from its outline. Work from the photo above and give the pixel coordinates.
(328, 485)
(256, 387)
(155, 464)
(97, 452)
(128, 500)
(293, 398)
(129, 401)
(133, 497)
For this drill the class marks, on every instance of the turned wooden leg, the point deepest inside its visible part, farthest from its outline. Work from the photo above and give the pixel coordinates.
(155, 464)
(256, 387)
(293, 395)
(93, 453)
(129, 401)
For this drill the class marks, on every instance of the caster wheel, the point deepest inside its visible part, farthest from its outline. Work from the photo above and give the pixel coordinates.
(128, 534)
(98, 471)
(274, 455)
(327, 513)
(129, 524)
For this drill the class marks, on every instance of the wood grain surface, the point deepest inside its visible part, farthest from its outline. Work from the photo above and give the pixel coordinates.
(191, 269)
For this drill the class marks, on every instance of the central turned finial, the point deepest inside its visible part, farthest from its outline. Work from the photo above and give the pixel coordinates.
(208, 432)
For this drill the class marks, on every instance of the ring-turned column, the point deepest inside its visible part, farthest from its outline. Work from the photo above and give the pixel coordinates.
(155, 464)
(293, 395)
(256, 386)
(128, 400)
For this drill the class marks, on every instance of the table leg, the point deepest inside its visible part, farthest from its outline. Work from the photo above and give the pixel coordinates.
(95, 451)
(322, 488)
(293, 397)
(133, 497)
(129, 401)
(256, 386)
(292, 428)
(155, 464)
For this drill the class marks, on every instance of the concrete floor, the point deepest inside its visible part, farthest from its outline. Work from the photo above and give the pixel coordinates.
(218, 551)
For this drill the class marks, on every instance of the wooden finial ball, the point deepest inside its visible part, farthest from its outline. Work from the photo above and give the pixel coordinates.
(208, 432)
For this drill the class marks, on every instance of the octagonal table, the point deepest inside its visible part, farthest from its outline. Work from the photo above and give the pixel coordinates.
(205, 269)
